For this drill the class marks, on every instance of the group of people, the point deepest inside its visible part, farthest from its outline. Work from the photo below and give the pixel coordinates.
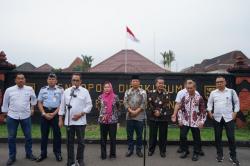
(69, 108)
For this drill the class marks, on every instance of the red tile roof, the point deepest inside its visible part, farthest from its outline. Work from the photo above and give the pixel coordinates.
(44, 68)
(77, 62)
(219, 63)
(136, 63)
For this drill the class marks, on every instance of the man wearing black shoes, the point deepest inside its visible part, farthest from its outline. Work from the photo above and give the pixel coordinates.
(159, 116)
(49, 100)
(224, 103)
(18, 104)
(191, 116)
(135, 100)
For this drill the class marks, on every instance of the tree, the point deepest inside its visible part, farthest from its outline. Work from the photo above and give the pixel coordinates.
(168, 58)
(86, 62)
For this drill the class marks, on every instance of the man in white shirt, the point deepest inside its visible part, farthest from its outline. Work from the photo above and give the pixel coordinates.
(75, 101)
(18, 104)
(224, 103)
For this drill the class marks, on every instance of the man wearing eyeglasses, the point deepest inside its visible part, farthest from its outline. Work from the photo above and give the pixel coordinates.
(77, 102)
(224, 103)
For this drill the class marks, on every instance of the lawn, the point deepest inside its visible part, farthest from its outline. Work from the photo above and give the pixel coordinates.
(92, 132)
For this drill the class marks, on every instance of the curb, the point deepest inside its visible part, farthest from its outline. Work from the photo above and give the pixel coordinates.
(123, 142)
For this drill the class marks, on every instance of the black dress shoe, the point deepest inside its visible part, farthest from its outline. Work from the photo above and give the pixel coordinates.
(163, 154)
(10, 162)
(184, 155)
(195, 157)
(112, 156)
(129, 153)
(139, 154)
(41, 158)
(70, 164)
(150, 153)
(81, 163)
(179, 150)
(58, 157)
(31, 157)
(201, 153)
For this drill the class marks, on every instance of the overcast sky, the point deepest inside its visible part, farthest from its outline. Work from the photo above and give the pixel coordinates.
(57, 31)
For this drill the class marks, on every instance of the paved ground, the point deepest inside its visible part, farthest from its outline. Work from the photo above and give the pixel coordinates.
(92, 158)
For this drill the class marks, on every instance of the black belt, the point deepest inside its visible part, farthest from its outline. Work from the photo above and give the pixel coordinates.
(49, 109)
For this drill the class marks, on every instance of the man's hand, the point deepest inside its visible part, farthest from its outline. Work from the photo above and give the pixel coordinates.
(77, 116)
(210, 114)
(234, 115)
(60, 123)
(173, 118)
(48, 116)
(32, 111)
(200, 125)
(157, 113)
(132, 114)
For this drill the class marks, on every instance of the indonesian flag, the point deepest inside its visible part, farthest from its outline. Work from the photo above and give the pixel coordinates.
(131, 35)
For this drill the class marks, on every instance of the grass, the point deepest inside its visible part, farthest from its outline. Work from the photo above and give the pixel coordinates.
(93, 132)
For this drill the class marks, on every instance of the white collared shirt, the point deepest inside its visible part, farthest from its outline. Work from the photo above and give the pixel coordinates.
(17, 101)
(80, 103)
(181, 94)
(222, 103)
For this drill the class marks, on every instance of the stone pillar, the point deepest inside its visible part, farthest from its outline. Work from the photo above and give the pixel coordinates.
(242, 81)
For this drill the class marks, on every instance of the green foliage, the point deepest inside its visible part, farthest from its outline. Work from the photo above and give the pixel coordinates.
(168, 58)
(248, 119)
(86, 64)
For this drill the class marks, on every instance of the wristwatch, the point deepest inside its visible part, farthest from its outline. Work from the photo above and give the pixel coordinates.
(43, 113)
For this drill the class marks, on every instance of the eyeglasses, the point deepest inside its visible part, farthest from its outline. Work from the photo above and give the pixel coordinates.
(217, 82)
(74, 80)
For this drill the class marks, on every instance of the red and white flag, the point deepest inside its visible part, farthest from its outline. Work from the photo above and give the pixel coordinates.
(131, 35)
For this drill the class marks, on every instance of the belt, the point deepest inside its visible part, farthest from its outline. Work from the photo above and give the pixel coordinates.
(49, 109)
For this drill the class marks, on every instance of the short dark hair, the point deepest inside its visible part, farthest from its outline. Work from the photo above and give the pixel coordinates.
(220, 76)
(18, 74)
(159, 78)
(77, 74)
(187, 79)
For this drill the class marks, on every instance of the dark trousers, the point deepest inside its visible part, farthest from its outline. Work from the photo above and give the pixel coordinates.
(45, 128)
(137, 126)
(229, 126)
(79, 131)
(12, 125)
(108, 129)
(154, 126)
(196, 138)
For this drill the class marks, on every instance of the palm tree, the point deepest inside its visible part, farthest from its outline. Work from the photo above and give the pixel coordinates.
(168, 58)
(87, 62)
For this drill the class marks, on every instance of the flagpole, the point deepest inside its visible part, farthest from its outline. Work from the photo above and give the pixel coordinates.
(126, 53)
(154, 46)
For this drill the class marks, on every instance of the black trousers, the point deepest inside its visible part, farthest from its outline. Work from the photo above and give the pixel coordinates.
(137, 126)
(108, 129)
(79, 131)
(154, 126)
(45, 128)
(196, 138)
(229, 127)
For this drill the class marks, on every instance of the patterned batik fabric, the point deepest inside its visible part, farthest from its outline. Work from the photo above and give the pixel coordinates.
(192, 111)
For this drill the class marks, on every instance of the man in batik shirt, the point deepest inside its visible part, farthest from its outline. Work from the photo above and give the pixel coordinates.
(192, 115)
(135, 100)
(159, 115)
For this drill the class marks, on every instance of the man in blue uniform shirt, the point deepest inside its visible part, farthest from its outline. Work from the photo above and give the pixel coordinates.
(49, 100)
